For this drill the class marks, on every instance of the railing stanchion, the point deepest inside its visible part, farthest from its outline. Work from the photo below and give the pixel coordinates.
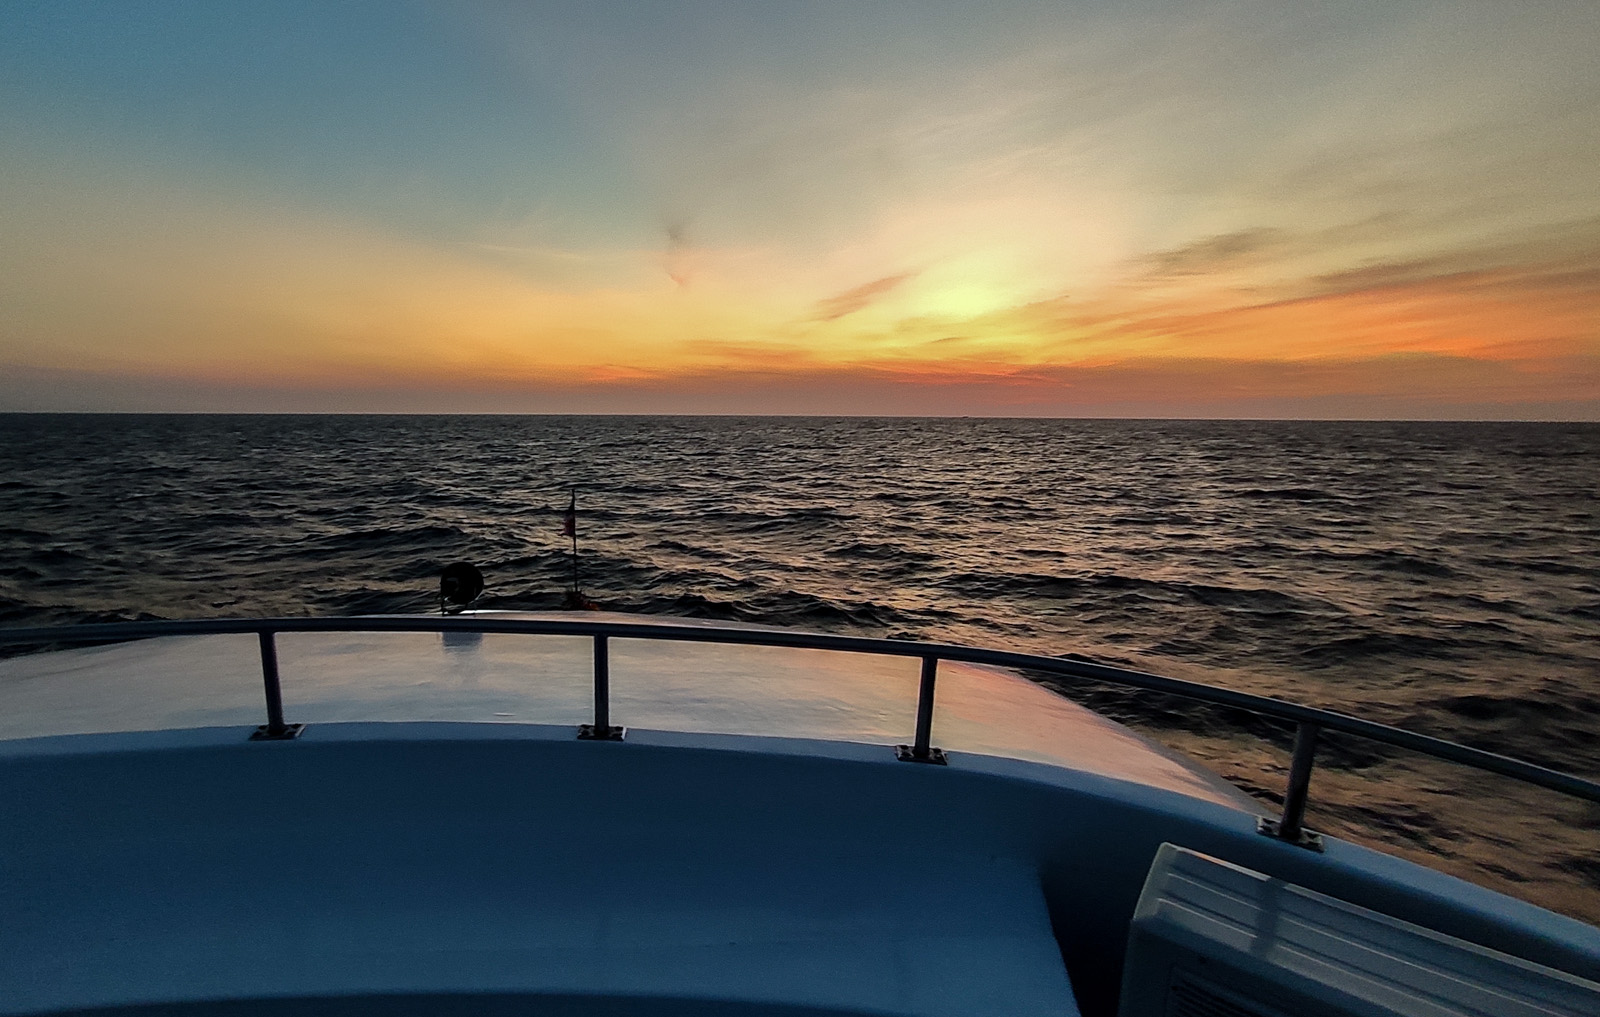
(602, 729)
(602, 683)
(1291, 825)
(274, 729)
(921, 751)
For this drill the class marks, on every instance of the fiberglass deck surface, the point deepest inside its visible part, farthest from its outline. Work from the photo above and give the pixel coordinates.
(339, 865)
(668, 686)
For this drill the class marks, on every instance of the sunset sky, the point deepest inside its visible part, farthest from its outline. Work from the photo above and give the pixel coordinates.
(1346, 209)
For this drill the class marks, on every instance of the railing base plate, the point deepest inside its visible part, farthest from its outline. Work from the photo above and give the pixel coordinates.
(266, 734)
(906, 754)
(589, 733)
(1308, 840)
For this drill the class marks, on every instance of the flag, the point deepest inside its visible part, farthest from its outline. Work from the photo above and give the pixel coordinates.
(569, 519)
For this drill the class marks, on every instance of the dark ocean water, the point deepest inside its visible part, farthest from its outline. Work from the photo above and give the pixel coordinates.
(1441, 575)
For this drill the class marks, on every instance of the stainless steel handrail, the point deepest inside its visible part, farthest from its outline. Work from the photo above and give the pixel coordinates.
(1310, 721)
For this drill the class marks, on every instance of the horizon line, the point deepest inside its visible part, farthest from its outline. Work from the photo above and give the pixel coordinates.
(800, 416)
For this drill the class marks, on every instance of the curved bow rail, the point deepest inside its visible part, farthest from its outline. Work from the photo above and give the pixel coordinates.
(1309, 721)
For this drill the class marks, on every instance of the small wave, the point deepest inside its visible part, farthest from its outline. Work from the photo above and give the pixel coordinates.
(998, 585)
(23, 534)
(1589, 612)
(1399, 562)
(220, 518)
(867, 551)
(1485, 706)
(777, 608)
(713, 554)
(382, 539)
(805, 519)
(1347, 650)
(1288, 494)
(1552, 567)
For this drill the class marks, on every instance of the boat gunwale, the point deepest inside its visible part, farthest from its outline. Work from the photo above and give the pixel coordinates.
(930, 653)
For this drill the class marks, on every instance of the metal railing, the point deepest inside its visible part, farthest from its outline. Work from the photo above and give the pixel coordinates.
(1309, 721)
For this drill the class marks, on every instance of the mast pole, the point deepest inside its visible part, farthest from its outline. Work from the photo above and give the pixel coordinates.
(572, 531)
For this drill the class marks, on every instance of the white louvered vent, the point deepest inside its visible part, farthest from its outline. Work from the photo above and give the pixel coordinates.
(1190, 997)
(1211, 939)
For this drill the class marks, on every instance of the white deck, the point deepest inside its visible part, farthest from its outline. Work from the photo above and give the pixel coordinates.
(215, 680)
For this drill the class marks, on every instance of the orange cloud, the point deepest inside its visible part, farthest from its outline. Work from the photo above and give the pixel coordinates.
(1495, 315)
(853, 300)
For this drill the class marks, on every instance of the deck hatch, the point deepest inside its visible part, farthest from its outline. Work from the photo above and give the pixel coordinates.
(1313, 955)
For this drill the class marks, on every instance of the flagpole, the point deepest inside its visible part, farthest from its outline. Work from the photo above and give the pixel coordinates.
(572, 531)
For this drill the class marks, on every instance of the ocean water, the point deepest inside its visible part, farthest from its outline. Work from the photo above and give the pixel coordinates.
(1444, 576)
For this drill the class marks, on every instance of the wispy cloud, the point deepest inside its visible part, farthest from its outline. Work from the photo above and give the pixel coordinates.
(679, 259)
(859, 297)
(1211, 254)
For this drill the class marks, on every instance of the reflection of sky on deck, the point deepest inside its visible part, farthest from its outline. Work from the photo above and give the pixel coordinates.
(1343, 208)
(496, 678)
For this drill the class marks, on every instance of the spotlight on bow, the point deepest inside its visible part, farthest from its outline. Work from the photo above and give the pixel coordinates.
(459, 585)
